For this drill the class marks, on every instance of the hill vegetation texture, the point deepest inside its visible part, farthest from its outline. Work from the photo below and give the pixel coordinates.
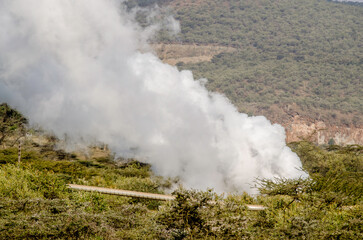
(292, 57)
(35, 202)
(301, 57)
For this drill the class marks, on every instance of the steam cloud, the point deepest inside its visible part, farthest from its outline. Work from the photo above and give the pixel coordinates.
(74, 67)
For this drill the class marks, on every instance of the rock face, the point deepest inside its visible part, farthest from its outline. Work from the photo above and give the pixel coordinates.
(322, 133)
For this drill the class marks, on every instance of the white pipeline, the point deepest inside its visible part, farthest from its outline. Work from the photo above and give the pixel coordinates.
(134, 194)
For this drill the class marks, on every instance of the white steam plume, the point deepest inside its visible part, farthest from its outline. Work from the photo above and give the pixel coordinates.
(73, 66)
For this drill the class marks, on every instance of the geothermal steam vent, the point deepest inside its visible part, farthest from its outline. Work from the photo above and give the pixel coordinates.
(74, 68)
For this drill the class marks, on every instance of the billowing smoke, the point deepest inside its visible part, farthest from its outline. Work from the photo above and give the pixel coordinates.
(74, 67)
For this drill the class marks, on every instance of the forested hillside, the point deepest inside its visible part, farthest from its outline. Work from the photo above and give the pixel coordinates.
(292, 57)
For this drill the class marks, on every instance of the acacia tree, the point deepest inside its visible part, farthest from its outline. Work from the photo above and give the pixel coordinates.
(12, 123)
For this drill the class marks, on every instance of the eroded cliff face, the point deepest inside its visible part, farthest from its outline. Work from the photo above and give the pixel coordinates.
(321, 133)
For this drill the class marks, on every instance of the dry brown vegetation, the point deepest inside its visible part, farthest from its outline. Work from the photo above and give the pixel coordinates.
(188, 53)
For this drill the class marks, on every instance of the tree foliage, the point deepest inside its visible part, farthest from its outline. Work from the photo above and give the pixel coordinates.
(11, 123)
(35, 202)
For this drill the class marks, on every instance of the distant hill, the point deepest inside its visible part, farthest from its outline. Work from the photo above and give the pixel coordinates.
(293, 57)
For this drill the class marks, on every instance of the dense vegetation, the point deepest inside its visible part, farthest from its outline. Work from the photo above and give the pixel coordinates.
(11, 123)
(35, 202)
(307, 52)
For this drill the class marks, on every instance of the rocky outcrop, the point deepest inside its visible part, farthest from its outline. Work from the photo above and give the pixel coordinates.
(322, 133)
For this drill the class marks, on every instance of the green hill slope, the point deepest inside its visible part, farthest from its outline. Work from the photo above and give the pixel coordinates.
(306, 52)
